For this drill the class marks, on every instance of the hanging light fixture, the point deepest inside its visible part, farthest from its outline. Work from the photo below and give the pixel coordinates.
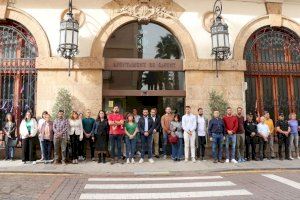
(219, 36)
(68, 40)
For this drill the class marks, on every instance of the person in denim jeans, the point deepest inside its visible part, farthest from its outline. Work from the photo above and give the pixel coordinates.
(165, 124)
(9, 130)
(294, 137)
(231, 127)
(176, 129)
(216, 130)
(116, 132)
(131, 131)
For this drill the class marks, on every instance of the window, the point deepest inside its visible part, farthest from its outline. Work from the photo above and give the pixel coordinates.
(17, 68)
(273, 70)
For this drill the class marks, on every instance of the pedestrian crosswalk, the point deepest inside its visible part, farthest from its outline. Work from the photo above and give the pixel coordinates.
(283, 180)
(161, 188)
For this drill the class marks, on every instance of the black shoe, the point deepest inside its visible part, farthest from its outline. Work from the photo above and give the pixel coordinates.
(221, 161)
(99, 158)
(280, 158)
(289, 159)
(104, 158)
(215, 161)
(156, 156)
(112, 161)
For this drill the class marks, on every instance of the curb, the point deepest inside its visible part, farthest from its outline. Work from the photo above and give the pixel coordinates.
(159, 173)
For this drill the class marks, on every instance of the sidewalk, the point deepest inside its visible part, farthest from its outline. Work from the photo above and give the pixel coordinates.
(160, 167)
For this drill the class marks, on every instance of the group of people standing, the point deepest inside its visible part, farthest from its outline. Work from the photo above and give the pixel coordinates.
(130, 136)
(245, 133)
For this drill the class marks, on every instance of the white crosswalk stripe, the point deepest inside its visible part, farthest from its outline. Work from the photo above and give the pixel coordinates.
(157, 186)
(160, 188)
(155, 178)
(286, 181)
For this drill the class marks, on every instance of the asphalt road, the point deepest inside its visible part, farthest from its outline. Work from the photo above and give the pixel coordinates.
(233, 185)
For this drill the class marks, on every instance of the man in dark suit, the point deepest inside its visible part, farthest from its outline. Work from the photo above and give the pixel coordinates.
(156, 131)
(146, 126)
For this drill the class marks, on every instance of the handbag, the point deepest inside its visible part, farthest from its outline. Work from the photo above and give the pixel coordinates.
(172, 139)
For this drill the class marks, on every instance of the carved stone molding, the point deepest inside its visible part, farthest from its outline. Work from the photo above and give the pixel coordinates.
(3, 8)
(145, 10)
(274, 8)
(78, 14)
(207, 21)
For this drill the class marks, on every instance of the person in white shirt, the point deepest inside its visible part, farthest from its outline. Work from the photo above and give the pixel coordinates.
(76, 135)
(201, 131)
(263, 132)
(28, 133)
(189, 125)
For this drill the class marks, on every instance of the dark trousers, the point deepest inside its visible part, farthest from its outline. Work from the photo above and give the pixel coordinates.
(250, 141)
(29, 149)
(262, 148)
(283, 140)
(88, 141)
(201, 145)
(81, 150)
(74, 145)
(146, 145)
(46, 145)
(9, 149)
(115, 139)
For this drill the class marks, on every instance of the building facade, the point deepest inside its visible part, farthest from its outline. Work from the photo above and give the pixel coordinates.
(144, 53)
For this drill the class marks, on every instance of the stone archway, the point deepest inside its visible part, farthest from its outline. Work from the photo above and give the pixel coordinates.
(173, 25)
(251, 27)
(34, 27)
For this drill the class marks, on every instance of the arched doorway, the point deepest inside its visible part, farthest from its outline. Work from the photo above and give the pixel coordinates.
(18, 52)
(143, 68)
(273, 71)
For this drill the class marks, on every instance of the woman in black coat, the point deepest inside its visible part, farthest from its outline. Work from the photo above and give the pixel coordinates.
(100, 136)
(9, 129)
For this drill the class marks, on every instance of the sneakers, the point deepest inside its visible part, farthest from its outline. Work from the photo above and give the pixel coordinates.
(132, 161)
(80, 158)
(128, 161)
(234, 161)
(298, 157)
(151, 160)
(193, 160)
(34, 162)
(164, 157)
(141, 161)
(227, 160)
(291, 158)
(186, 160)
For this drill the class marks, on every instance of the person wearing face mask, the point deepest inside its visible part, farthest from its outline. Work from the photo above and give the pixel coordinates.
(250, 127)
(283, 134)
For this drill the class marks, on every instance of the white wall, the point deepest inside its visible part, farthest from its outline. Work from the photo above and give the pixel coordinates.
(236, 13)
